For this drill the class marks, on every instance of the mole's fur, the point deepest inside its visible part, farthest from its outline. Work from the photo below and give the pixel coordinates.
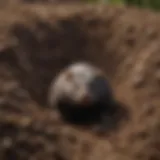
(81, 93)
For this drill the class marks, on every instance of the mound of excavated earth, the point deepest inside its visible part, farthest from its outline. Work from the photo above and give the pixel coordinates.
(37, 41)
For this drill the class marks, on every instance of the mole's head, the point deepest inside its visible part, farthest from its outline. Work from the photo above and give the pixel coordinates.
(80, 90)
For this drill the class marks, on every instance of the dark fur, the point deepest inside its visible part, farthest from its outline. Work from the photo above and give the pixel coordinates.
(103, 105)
(85, 115)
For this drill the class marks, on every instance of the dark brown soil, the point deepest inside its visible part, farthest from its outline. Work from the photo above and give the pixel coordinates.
(36, 41)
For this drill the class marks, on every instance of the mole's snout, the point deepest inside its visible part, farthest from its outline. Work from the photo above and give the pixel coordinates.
(86, 100)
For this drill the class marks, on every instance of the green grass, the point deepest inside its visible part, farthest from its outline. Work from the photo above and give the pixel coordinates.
(153, 4)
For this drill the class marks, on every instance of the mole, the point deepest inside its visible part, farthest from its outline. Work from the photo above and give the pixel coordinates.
(82, 94)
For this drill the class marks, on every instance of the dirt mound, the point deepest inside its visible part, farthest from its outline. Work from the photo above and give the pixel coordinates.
(37, 41)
